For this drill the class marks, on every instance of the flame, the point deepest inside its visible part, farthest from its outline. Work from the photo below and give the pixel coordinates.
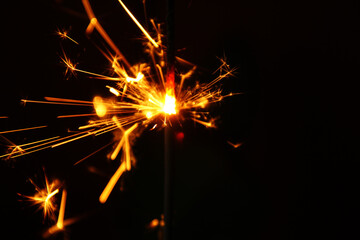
(169, 104)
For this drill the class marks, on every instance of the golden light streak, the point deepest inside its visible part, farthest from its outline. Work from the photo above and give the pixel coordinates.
(50, 195)
(37, 147)
(66, 100)
(39, 141)
(19, 150)
(93, 153)
(139, 25)
(72, 139)
(77, 115)
(64, 35)
(22, 129)
(111, 184)
(124, 143)
(56, 103)
(60, 222)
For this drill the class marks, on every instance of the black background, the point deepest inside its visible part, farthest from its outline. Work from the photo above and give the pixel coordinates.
(295, 176)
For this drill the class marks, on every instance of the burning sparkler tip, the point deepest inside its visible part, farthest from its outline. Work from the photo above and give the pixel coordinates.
(169, 104)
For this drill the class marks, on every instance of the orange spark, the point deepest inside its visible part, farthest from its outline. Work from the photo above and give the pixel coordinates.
(111, 184)
(44, 198)
(153, 224)
(22, 129)
(235, 145)
(64, 35)
(139, 25)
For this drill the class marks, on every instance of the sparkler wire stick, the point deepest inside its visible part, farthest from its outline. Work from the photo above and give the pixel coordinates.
(168, 161)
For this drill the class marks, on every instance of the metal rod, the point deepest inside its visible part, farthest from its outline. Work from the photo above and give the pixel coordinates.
(168, 185)
(168, 160)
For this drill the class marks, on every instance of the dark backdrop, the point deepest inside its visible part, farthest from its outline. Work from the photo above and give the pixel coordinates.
(296, 174)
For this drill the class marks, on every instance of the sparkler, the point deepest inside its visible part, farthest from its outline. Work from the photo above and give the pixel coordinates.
(145, 98)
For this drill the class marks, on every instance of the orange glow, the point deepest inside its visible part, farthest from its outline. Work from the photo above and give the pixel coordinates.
(99, 106)
(169, 104)
(148, 115)
(154, 223)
